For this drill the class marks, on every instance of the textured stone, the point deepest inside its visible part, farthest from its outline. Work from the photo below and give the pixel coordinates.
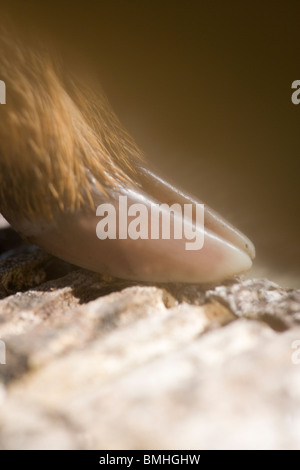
(101, 363)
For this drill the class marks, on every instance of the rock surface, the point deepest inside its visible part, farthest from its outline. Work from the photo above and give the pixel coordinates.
(99, 363)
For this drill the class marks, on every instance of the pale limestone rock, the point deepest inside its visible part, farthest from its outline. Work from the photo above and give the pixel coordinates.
(100, 363)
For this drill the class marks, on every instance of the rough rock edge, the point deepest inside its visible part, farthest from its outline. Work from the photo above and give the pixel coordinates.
(75, 338)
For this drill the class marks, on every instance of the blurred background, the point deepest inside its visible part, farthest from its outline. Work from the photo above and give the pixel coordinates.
(205, 89)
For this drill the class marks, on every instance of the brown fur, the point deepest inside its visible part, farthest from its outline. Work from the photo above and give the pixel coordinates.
(51, 130)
